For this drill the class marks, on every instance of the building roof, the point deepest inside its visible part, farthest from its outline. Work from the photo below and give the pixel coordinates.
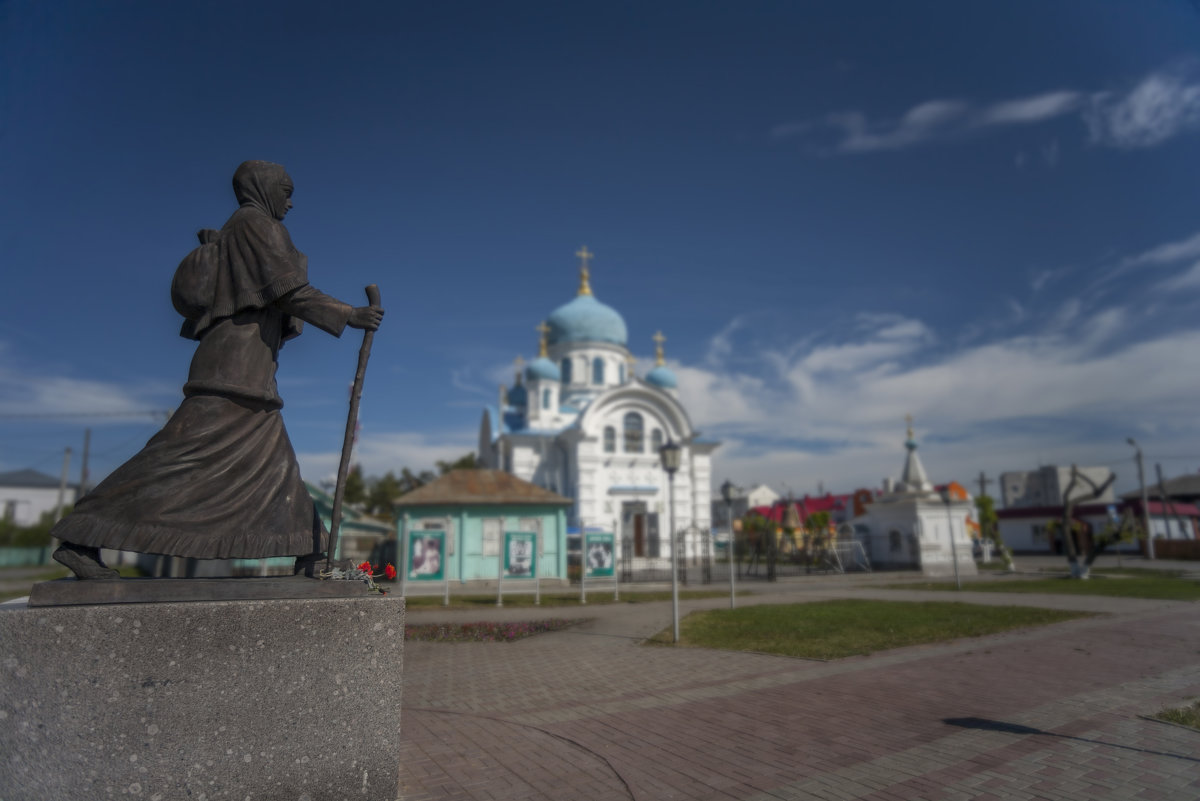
(1156, 508)
(29, 478)
(480, 487)
(1185, 485)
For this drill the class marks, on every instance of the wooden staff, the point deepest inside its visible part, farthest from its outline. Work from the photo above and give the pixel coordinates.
(364, 353)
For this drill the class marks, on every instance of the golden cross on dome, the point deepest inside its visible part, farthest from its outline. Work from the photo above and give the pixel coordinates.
(584, 254)
(631, 360)
(519, 363)
(543, 330)
(658, 348)
(908, 418)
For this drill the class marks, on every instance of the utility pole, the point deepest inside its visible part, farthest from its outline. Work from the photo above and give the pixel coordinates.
(62, 485)
(1145, 501)
(983, 481)
(83, 471)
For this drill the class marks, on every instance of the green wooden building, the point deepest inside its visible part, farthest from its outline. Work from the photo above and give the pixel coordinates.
(475, 508)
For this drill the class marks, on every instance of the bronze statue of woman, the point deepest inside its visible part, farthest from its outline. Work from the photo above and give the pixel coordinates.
(220, 480)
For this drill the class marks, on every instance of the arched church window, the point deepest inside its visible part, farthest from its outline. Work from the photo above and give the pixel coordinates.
(620, 373)
(545, 399)
(566, 371)
(656, 440)
(610, 439)
(634, 433)
(597, 370)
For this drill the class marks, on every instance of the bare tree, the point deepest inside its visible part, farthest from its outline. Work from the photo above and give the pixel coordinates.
(1096, 545)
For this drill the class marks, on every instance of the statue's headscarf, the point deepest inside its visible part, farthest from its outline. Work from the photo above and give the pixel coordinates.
(249, 263)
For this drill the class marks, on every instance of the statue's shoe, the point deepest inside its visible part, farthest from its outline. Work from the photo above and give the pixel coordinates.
(84, 562)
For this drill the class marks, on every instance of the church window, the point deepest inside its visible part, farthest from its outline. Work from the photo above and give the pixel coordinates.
(621, 373)
(545, 399)
(894, 540)
(597, 370)
(566, 371)
(634, 440)
(656, 440)
(610, 439)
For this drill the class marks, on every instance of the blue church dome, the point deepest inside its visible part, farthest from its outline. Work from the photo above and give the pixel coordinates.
(586, 319)
(663, 377)
(542, 368)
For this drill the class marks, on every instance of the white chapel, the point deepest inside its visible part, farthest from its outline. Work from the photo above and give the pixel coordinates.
(912, 524)
(579, 421)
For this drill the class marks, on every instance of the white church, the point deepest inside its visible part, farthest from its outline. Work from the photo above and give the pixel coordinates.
(579, 421)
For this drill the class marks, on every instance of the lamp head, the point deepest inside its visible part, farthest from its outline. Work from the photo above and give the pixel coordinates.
(670, 457)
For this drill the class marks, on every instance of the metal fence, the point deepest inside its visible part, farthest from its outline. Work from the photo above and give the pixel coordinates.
(704, 561)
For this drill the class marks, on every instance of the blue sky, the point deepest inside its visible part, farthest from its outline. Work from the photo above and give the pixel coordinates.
(983, 214)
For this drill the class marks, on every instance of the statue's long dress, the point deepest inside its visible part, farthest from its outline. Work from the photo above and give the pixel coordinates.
(221, 479)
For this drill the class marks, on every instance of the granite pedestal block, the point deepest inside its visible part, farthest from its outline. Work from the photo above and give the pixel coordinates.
(279, 699)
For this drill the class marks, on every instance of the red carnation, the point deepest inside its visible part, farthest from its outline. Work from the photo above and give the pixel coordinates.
(390, 572)
(365, 567)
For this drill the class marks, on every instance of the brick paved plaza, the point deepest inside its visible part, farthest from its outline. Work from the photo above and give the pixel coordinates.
(590, 713)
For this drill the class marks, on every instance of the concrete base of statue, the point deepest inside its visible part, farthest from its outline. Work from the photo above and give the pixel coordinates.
(296, 699)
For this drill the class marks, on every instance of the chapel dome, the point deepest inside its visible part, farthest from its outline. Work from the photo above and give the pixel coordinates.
(542, 368)
(585, 319)
(662, 377)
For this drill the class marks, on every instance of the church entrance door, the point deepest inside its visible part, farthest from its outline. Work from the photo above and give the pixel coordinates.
(633, 518)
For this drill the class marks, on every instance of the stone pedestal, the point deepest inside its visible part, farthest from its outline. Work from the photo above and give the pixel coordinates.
(278, 699)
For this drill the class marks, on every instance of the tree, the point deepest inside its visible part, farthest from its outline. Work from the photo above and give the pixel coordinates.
(356, 488)
(383, 494)
(1069, 526)
(461, 463)
(989, 528)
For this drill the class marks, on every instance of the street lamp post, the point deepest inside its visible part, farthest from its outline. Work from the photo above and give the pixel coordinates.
(1145, 502)
(727, 491)
(670, 454)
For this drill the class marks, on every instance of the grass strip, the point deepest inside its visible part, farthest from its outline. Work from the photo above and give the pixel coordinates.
(553, 599)
(1117, 585)
(836, 629)
(1184, 715)
(483, 632)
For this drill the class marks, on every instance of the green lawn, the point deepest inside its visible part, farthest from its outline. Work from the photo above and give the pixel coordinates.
(594, 598)
(836, 629)
(1123, 584)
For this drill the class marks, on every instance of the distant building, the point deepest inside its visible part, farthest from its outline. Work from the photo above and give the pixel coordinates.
(761, 495)
(25, 495)
(1026, 529)
(1185, 488)
(1046, 485)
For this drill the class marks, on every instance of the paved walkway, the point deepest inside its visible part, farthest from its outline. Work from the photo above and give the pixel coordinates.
(589, 713)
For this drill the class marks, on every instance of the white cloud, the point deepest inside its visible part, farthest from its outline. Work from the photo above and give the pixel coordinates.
(834, 411)
(1188, 279)
(919, 124)
(1168, 253)
(1161, 106)
(25, 392)
(1026, 110)
(384, 451)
